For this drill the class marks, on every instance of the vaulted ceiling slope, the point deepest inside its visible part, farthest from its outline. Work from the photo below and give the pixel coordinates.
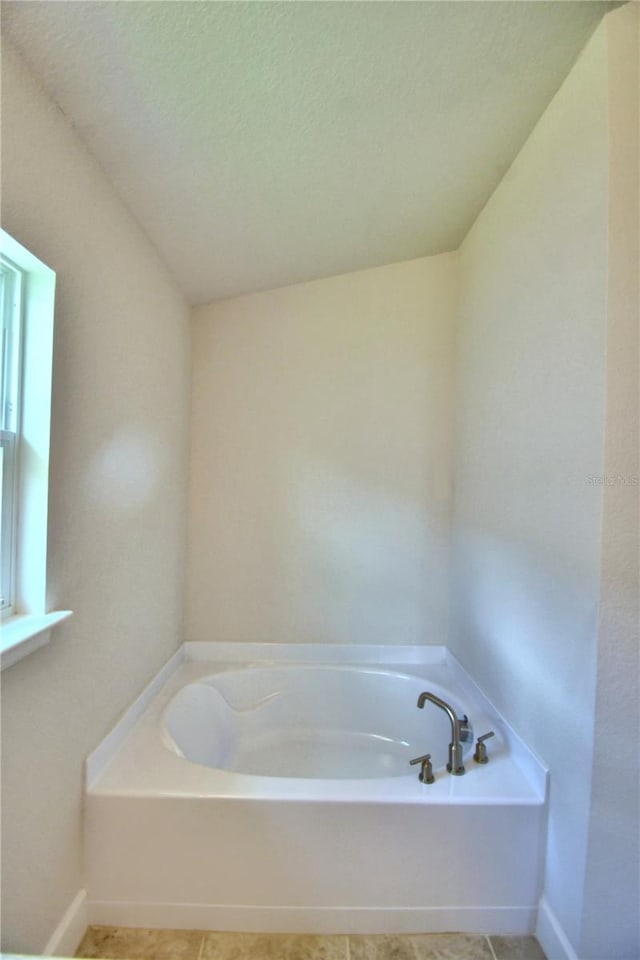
(262, 144)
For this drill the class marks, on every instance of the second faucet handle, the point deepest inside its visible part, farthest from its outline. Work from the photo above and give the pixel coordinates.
(480, 756)
(426, 768)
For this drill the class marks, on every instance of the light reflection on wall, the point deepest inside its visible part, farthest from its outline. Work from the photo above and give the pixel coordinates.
(127, 469)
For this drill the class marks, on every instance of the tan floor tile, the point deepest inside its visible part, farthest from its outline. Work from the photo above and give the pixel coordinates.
(380, 947)
(427, 946)
(314, 947)
(451, 946)
(128, 943)
(273, 946)
(517, 948)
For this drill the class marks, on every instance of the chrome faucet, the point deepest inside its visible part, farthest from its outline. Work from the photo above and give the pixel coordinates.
(460, 732)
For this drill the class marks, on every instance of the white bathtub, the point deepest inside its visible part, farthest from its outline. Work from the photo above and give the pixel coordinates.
(312, 722)
(264, 788)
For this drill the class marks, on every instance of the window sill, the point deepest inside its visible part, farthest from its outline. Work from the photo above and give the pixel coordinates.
(24, 633)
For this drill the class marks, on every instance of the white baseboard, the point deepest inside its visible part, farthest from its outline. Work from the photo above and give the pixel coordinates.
(66, 938)
(253, 919)
(551, 935)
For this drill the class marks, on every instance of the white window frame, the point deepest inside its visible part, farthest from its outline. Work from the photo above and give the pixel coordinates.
(26, 624)
(10, 395)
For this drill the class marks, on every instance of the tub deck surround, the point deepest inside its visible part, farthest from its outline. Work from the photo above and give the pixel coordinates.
(171, 841)
(136, 759)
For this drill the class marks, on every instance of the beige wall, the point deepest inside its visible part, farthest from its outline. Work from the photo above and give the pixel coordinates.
(541, 552)
(612, 882)
(320, 488)
(117, 507)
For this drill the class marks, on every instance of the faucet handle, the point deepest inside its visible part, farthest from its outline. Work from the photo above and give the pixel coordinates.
(465, 729)
(426, 768)
(480, 756)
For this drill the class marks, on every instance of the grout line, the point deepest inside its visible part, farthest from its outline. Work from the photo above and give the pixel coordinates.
(493, 953)
(200, 951)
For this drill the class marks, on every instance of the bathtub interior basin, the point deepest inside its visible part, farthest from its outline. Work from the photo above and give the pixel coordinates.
(309, 722)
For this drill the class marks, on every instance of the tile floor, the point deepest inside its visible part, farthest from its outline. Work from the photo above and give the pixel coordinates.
(119, 943)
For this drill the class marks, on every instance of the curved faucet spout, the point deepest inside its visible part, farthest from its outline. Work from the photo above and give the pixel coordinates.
(422, 699)
(455, 765)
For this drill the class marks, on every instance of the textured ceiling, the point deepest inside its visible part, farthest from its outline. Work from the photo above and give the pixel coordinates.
(261, 144)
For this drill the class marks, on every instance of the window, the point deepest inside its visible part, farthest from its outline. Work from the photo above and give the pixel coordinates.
(27, 289)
